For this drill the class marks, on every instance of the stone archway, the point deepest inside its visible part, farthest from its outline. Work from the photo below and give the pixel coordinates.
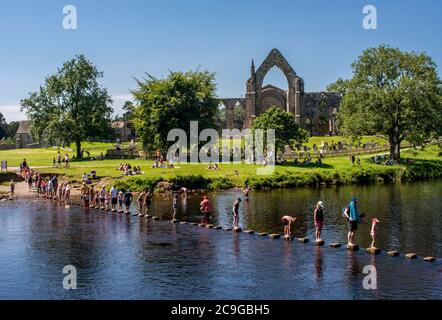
(254, 95)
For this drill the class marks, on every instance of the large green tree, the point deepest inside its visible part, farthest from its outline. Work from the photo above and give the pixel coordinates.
(71, 107)
(393, 93)
(171, 103)
(287, 131)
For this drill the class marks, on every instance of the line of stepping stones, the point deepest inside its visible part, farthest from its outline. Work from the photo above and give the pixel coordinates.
(335, 245)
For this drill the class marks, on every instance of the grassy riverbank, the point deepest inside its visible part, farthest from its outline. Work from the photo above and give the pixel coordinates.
(425, 164)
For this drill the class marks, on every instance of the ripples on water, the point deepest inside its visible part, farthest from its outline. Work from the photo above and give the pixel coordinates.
(120, 257)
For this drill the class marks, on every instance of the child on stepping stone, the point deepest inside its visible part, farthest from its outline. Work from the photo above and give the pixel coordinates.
(374, 222)
(318, 216)
(174, 205)
(236, 213)
(287, 222)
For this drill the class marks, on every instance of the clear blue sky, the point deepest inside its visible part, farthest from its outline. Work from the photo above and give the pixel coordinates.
(320, 39)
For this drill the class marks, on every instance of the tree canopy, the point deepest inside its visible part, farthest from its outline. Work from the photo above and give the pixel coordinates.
(287, 131)
(393, 93)
(171, 103)
(71, 106)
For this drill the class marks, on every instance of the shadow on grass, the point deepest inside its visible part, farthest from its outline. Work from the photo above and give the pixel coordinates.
(312, 165)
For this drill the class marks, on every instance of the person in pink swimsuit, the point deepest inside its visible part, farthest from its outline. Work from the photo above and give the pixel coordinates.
(374, 222)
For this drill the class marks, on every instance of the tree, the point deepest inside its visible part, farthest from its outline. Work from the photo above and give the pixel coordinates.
(393, 93)
(3, 127)
(287, 131)
(171, 103)
(71, 107)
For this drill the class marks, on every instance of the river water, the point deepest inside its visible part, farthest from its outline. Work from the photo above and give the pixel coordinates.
(127, 257)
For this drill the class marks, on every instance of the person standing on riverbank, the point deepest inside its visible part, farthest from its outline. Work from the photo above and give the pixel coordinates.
(287, 223)
(12, 188)
(318, 216)
(235, 211)
(352, 214)
(206, 209)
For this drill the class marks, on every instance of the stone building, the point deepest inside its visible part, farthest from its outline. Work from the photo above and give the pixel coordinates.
(122, 130)
(23, 137)
(315, 111)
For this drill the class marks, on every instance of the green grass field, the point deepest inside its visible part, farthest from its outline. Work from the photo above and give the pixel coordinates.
(336, 169)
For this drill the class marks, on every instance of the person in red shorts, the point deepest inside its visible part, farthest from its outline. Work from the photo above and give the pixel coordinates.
(318, 216)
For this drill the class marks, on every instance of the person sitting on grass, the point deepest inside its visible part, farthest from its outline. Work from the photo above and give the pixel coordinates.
(287, 223)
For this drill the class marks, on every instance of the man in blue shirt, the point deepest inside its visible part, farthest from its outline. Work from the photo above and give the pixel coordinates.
(352, 214)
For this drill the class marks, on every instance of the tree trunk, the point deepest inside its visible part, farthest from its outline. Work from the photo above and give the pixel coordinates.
(78, 144)
(395, 148)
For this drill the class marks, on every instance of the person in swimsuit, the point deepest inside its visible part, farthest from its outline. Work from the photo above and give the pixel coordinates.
(318, 216)
(373, 230)
(287, 222)
(235, 212)
(107, 200)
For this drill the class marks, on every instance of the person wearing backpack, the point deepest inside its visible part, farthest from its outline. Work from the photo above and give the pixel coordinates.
(354, 218)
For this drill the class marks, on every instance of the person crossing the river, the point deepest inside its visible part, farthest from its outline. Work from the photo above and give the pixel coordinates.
(114, 197)
(140, 202)
(12, 188)
(318, 217)
(174, 206)
(127, 198)
(287, 223)
(206, 209)
(147, 203)
(351, 212)
(235, 211)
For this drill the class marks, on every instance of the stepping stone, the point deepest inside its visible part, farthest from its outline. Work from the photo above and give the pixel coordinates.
(202, 225)
(183, 222)
(155, 218)
(411, 256)
(102, 208)
(354, 247)
(114, 210)
(237, 230)
(249, 231)
(228, 229)
(263, 234)
(335, 245)
(303, 240)
(217, 227)
(429, 259)
(287, 238)
(175, 221)
(67, 206)
(210, 226)
(147, 216)
(275, 236)
(92, 207)
(393, 253)
(373, 250)
(194, 223)
(319, 243)
(120, 211)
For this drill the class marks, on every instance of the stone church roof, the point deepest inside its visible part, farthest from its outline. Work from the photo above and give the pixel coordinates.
(24, 127)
